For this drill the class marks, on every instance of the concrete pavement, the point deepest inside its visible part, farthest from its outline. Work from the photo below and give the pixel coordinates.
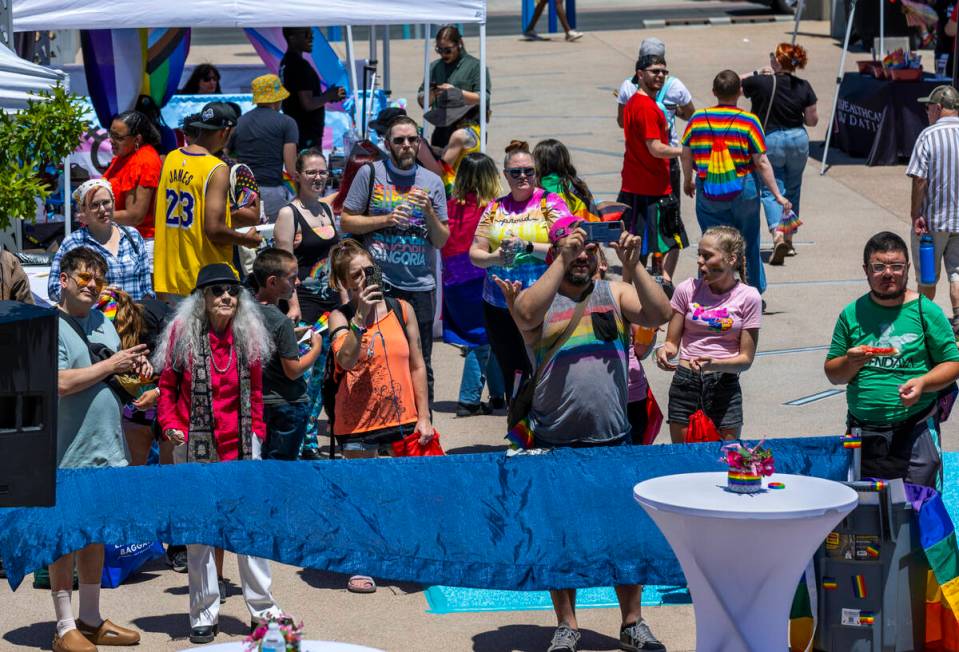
(561, 90)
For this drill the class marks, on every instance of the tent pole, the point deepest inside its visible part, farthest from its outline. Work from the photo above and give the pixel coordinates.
(427, 130)
(882, 29)
(67, 194)
(482, 91)
(351, 68)
(835, 97)
(373, 58)
(386, 60)
(800, 7)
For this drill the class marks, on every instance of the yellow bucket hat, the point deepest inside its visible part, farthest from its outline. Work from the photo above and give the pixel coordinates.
(268, 89)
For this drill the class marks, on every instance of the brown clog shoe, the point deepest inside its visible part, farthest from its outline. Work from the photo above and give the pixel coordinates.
(73, 641)
(108, 634)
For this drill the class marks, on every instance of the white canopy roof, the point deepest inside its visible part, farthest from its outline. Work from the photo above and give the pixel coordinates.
(41, 15)
(19, 79)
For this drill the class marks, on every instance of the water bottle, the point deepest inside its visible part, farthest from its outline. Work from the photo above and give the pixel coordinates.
(273, 641)
(927, 260)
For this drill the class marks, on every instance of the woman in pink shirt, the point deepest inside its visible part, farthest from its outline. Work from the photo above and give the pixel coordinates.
(714, 329)
(211, 407)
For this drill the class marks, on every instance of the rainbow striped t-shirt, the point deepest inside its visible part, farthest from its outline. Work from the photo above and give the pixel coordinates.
(741, 130)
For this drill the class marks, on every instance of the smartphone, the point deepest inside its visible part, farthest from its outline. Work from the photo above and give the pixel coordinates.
(602, 232)
(374, 276)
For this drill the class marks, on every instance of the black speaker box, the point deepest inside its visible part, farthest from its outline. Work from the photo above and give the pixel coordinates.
(28, 405)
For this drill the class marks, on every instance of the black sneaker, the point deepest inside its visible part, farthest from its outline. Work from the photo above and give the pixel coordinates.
(176, 558)
(497, 403)
(467, 410)
(565, 639)
(221, 585)
(204, 634)
(637, 637)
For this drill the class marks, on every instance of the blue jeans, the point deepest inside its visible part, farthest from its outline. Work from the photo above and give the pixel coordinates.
(787, 151)
(743, 214)
(480, 368)
(285, 427)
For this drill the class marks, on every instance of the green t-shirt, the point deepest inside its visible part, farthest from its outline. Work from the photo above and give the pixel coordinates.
(873, 394)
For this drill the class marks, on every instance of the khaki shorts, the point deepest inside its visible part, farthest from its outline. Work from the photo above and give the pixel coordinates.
(947, 253)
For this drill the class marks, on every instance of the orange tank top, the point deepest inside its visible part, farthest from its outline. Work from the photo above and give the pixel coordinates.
(378, 392)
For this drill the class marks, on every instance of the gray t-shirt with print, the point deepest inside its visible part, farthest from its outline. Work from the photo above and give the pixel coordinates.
(88, 422)
(406, 255)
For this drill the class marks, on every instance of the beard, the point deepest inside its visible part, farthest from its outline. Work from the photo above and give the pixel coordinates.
(579, 278)
(887, 296)
(404, 161)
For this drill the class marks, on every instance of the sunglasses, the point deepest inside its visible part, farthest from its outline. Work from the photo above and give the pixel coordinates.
(213, 79)
(657, 71)
(519, 173)
(440, 50)
(86, 278)
(218, 290)
(399, 140)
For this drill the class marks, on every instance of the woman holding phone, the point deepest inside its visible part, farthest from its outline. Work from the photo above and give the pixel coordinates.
(381, 395)
(715, 330)
(511, 244)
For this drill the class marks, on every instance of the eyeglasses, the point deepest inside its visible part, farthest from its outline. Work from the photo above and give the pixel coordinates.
(880, 268)
(213, 79)
(440, 50)
(519, 173)
(115, 136)
(657, 71)
(399, 140)
(86, 278)
(105, 204)
(316, 173)
(218, 290)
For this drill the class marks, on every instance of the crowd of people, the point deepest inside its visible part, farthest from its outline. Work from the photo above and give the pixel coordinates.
(180, 326)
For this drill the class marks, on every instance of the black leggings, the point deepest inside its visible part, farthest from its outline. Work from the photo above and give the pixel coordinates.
(507, 344)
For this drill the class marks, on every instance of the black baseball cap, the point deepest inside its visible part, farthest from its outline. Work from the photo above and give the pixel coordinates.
(385, 117)
(216, 274)
(215, 116)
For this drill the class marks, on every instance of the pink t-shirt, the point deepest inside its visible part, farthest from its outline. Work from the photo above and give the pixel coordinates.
(714, 322)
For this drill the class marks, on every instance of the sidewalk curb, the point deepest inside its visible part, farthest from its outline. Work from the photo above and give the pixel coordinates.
(714, 20)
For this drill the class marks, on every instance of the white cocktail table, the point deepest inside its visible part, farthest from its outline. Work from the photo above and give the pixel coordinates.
(743, 555)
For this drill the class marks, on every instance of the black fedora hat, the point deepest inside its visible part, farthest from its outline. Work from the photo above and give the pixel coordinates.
(385, 117)
(449, 108)
(216, 274)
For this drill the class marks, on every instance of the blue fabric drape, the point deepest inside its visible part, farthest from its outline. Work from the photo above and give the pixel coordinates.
(563, 519)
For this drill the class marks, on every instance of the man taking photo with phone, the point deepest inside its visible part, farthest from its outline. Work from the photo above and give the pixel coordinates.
(307, 101)
(400, 212)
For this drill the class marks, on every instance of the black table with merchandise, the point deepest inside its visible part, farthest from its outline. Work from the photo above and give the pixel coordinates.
(879, 119)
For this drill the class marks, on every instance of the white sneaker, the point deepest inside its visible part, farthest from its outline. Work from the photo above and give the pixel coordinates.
(573, 35)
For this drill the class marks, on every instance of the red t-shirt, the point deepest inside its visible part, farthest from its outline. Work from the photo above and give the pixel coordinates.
(643, 173)
(141, 168)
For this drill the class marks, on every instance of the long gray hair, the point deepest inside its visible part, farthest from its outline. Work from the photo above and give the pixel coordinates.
(180, 343)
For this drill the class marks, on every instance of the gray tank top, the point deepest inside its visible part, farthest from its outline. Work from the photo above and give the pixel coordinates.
(581, 395)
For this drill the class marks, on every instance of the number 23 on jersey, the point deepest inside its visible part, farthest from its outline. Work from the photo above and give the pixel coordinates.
(179, 209)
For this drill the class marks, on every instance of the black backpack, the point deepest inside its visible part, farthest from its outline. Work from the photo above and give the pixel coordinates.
(331, 379)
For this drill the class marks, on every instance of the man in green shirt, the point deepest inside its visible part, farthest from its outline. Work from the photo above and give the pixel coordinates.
(895, 351)
(454, 69)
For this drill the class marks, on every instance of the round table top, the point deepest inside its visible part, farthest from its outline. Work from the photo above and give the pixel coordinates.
(704, 494)
(305, 646)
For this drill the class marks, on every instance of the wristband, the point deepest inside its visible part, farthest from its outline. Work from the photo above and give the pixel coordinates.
(356, 328)
(529, 247)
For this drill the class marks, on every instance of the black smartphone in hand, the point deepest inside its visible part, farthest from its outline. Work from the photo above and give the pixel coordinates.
(374, 276)
(602, 232)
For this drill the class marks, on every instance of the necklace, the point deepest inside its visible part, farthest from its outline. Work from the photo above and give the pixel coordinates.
(229, 362)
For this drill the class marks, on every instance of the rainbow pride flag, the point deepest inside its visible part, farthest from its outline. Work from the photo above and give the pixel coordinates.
(521, 436)
(937, 535)
(166, 53)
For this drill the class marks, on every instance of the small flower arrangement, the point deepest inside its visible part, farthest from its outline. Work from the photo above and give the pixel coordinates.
(292, 632)
(747, 466)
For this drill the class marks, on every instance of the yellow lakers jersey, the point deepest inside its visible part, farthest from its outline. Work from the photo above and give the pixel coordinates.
(182, 247)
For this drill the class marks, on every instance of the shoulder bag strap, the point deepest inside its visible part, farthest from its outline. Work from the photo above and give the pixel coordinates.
(769, 109)
(125, 234)
(565, 335)
(369, 190)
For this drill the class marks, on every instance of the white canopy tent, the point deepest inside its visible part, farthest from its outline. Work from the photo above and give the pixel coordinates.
(40, 15)
(20, 79)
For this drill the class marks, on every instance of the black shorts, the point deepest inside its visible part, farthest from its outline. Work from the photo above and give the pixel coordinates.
(721, 395)
(662, 231)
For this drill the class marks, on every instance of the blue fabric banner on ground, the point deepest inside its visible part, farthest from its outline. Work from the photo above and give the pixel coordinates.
(529, 522)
